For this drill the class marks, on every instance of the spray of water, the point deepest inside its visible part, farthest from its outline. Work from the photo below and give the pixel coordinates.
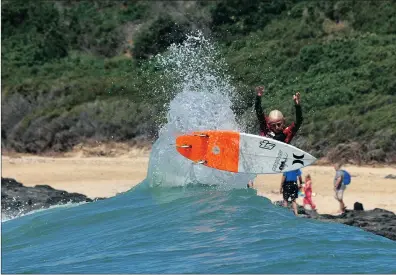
(201, 100)
(24, 212)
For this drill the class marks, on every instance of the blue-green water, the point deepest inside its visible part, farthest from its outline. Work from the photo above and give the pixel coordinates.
(186, 218)
(191, 229)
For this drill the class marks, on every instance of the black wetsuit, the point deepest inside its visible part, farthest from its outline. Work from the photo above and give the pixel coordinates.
(287, 134)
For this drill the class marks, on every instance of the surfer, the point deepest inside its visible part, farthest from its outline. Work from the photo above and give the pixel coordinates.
(273, 126)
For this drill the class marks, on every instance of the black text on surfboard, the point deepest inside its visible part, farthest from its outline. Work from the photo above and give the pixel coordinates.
(265, 144)
(283, 164)
(280, 160)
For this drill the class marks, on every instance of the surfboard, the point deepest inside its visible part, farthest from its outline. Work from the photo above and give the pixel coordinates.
(241, 152)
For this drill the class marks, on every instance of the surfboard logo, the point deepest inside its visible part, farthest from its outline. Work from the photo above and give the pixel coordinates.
(297, 159)
(283, 163)
(280, 160)
(265, 144)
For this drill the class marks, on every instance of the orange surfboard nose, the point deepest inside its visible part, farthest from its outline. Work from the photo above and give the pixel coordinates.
(196, 151)
(215, 149)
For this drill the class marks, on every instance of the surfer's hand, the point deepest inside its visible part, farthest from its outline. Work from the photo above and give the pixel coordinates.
(296, 98)
(260, 90)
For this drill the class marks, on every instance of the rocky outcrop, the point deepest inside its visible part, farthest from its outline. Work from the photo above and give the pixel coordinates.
(378, 221)
(17, 199)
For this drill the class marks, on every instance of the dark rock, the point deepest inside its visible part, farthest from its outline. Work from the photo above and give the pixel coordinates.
(358, 206)
(17, 199)
(390, 176)
(378, 221)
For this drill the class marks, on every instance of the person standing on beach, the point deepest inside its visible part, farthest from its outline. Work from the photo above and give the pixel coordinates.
(308, 193)
(339, 187)
(289, 188)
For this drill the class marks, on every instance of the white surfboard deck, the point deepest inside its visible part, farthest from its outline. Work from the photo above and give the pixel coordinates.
(262, 155)
(241, 152)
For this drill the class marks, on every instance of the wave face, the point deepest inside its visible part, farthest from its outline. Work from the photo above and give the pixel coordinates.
(188, 229)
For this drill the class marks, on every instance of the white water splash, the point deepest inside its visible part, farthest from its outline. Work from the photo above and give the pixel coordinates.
(21, 213)
(201, 101)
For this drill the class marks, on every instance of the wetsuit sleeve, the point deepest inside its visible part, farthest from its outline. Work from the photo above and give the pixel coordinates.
(299, 118)
(291, 131)
(260, 115)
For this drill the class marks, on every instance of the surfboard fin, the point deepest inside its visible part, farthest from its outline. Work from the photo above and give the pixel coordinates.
(184, 146)
(201, 135)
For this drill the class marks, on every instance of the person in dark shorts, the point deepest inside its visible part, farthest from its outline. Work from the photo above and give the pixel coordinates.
(289, 188)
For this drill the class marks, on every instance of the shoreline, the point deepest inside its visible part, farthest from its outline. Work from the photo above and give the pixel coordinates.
(106, 176)
(145, 152)
(90, 176)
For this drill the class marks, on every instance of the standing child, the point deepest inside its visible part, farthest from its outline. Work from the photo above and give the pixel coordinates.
(308, 193)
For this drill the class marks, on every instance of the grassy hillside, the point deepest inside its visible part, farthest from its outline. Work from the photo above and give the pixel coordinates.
(75, 70)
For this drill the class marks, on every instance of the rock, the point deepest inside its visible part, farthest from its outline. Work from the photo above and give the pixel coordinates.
(17, 199)
(378, 221)
(358, 206)
(390, 176)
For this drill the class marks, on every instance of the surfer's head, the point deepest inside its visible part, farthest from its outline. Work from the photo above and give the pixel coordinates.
(276, 121)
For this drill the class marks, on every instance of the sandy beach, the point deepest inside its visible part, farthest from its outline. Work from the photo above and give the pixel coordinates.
(107, 176)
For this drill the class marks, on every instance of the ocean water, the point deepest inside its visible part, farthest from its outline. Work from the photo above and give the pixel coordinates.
(186, 218)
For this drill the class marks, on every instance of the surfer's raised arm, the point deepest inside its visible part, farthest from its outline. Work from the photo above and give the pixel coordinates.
(259, 110)
(291, 131)
(299, 117)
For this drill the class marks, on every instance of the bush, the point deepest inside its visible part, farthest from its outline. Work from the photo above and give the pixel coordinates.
(240, 17)
(93, 31)
(157, 36)
(65, 79)
(33, 31)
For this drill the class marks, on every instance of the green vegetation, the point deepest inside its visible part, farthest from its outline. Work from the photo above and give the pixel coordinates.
(73, 70)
